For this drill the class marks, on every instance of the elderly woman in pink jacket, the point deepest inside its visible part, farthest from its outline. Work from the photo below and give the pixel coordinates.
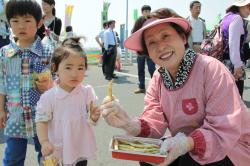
(192, 95)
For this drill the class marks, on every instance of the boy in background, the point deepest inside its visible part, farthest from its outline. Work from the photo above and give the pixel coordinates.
(142, 56)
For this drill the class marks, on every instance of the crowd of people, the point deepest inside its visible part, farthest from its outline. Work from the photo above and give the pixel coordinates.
(197, 98)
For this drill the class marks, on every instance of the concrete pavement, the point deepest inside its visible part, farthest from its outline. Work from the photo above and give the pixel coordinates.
(123, 89)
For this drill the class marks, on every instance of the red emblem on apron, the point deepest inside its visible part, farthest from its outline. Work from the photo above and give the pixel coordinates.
(189, 106)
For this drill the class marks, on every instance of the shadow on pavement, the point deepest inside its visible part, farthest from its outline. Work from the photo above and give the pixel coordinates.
(247, 103)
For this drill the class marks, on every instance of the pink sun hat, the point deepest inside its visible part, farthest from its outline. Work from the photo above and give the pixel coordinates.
(134, 42)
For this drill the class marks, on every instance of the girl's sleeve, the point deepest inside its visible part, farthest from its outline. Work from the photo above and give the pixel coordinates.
(221, 127)
(44, 108)
(153, 121)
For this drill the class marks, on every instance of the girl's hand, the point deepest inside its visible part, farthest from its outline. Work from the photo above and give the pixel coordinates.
(3, 118)
(95, 112)
(47, 148)
(114, 115)
(44, 83)
(175, 146)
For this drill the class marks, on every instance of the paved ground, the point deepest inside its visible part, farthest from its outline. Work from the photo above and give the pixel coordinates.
(123, 89)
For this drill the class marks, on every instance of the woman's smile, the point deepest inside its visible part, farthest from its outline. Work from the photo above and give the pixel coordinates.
(166, 56)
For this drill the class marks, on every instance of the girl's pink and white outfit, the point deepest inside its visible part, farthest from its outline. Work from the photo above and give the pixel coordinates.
(205, 104)
(68, 128)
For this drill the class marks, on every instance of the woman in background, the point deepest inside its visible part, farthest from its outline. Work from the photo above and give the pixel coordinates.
(234, 34)
(52, 24)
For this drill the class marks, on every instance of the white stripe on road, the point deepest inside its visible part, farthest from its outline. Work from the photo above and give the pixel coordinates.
(130, 75)
(121, 73)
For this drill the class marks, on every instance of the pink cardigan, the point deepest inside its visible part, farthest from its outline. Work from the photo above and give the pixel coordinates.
(207, 107)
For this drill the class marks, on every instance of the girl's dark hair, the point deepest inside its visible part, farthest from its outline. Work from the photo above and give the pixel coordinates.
(23, 7)
(63, 52)
(51, 2)
(233, 9)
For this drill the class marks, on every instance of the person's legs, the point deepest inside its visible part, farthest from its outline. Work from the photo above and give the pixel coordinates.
(240, 86)
(113, 60)
(82, 163)
(109, 65)
(37, 148)
(105, 60)
(151, 66)
(141, 73)
(15, 152)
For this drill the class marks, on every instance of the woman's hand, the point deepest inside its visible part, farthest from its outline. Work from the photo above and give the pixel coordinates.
(175, 147)
(47, 148)
(114, 115)
(238, 72)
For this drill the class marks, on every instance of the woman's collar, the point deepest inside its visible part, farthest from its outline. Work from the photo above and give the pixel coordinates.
(182, 73)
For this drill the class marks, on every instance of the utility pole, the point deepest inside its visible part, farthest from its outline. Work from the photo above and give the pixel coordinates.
(126, 31)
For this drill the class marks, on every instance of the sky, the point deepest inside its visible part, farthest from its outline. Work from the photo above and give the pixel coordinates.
(86, 16)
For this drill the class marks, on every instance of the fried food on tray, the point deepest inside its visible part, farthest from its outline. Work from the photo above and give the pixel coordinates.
(136, 146)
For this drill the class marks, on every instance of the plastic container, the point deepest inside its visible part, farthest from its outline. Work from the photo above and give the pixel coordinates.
(133, 155)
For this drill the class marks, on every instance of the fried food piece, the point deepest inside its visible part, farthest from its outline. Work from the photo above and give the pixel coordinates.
(44, 75)
(110, 96)
(51, 161)
(41, 76)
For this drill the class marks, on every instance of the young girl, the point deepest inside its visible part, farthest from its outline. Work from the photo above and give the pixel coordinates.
(66, 113)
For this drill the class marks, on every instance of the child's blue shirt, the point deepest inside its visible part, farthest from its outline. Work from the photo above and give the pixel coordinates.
(17, 70)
